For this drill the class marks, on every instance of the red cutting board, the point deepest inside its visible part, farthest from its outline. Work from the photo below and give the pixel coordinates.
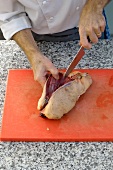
(90, 120)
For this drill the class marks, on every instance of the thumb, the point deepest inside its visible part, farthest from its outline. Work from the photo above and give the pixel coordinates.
(54, 71)
(40, 79)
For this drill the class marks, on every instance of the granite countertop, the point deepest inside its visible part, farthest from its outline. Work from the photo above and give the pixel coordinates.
(55, 155)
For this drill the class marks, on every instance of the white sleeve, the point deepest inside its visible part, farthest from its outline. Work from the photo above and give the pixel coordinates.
(12, 18)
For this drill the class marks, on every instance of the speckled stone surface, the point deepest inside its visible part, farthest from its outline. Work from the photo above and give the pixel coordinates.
(54, 155)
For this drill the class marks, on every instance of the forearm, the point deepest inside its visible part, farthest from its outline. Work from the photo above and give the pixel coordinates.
(27, 43)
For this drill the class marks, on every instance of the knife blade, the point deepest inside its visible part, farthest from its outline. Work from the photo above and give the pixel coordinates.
(75, 61)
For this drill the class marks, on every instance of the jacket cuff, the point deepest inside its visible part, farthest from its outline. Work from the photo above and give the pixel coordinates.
(14, 26)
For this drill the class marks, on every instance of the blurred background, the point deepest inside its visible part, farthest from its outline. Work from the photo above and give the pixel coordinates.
(109, 14)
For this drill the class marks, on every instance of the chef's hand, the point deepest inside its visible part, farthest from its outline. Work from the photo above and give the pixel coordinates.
(91, 24)
(41, 65)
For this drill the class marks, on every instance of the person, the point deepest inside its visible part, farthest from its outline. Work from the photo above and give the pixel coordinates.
(23, 20)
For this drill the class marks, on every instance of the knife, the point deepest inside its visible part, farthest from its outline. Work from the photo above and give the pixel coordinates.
(75, 61)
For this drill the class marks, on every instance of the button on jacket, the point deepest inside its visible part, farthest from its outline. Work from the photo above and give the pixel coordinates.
(42, 16)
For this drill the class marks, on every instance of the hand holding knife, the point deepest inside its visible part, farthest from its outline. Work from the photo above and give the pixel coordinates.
(75, 61)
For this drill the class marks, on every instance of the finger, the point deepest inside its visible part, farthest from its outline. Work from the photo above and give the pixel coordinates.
(93, 37)
(41, 79)
(83, 39)
(50, 67)
(102, 28)
(54, 72)
(40, 76)
(98, 32)
(102, 24)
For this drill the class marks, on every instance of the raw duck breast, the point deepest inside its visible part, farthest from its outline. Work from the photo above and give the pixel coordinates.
(60, 96)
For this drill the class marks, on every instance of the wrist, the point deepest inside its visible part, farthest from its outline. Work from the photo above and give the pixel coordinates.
(101, 4)
(97, 5)
(35, 58)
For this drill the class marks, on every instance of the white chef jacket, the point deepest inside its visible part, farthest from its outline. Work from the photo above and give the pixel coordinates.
(42, 16)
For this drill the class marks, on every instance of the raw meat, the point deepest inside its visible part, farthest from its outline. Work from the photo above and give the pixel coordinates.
(60, 96)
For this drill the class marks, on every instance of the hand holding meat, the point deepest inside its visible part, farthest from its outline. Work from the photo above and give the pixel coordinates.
(41, 65)
(60, 96)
